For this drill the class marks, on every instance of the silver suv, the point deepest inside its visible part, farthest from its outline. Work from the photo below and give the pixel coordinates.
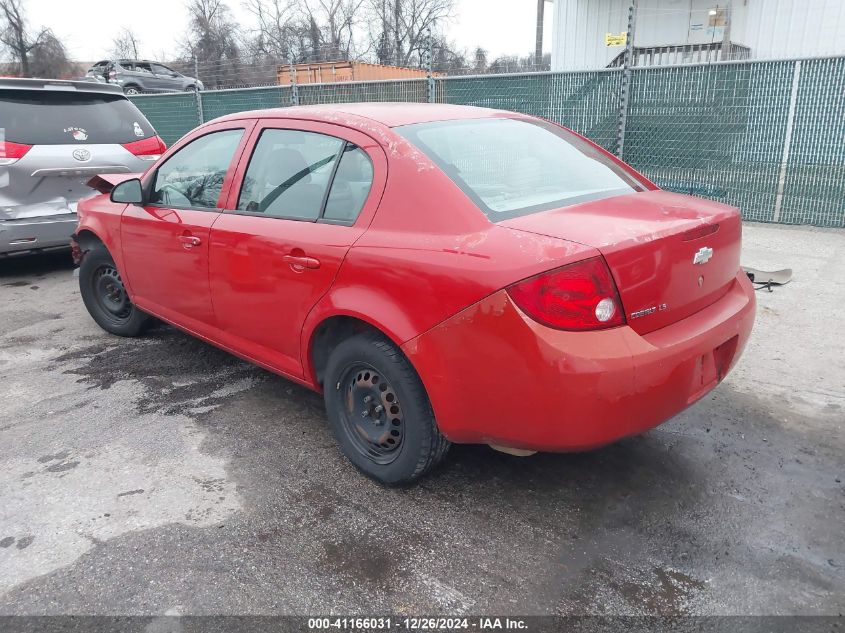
(136, 76)
(54, 137)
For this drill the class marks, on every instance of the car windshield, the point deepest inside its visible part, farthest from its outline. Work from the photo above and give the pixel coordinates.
(513, 167)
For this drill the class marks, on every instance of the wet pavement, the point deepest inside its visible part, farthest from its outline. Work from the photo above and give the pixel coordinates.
(161, 475)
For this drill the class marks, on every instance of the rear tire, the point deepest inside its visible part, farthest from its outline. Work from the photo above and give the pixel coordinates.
(105, 297)
(131, 91)
(379, 411)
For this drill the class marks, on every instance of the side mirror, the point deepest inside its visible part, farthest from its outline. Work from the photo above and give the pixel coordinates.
(128, 192)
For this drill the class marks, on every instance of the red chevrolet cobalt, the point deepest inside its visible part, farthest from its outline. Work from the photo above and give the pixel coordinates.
(441, 273)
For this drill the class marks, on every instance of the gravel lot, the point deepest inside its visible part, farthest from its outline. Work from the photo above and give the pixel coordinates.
(160, 475)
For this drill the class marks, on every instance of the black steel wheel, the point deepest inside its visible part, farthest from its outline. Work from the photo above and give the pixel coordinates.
(105, 296)
(371, 414)
(110, 294)
(379, 411)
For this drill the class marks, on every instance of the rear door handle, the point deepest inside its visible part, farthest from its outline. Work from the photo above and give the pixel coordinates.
(301, 261)
(189, 241)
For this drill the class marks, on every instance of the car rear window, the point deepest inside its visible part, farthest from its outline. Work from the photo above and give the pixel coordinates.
(513, 167)
(44, 117)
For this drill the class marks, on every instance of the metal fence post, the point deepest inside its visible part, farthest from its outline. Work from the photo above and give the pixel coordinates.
(294, 90)
(197, 96)
(428, 60)
(625, 83)
(787, 141)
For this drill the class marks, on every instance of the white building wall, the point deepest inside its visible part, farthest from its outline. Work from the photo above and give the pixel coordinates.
(794, 28)
(771, 28)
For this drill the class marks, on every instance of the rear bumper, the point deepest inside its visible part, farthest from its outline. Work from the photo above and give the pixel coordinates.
(495, 376)
(36, 233)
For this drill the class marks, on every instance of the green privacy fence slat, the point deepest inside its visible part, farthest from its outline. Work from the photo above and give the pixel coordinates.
(585, 102)
(756, 135)
(172, 115)
(714, 130)
(357, 92)
(814, 187)
(219, 103)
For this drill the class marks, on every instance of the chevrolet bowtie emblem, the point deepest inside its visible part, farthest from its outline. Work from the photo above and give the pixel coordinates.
(703, 255)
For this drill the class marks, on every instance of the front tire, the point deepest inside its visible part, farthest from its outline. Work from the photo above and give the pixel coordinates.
(105, 296)
(379, 411)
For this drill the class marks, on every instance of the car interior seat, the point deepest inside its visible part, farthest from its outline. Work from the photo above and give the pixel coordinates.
(288, 190)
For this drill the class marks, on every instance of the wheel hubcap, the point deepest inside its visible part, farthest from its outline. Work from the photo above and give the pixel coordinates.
(372, 415)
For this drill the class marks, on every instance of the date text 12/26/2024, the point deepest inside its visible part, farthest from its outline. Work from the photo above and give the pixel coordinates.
(416, 624)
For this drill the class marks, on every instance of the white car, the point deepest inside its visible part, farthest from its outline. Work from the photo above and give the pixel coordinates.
(54, 137)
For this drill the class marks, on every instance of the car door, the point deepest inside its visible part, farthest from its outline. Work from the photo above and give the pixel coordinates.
(165, 78)
(140, 74)
(306, 194)
(165, 243)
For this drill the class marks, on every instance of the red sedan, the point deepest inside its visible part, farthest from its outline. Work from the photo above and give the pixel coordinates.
(441, 273)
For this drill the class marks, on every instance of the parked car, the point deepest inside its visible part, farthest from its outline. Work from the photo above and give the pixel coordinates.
(441, 273)
(136, 76)
(54, 136)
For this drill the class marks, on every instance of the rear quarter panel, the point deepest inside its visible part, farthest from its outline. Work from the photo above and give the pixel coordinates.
(428, 254)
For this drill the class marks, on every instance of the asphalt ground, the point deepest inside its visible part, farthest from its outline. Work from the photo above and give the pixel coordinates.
(160, 475)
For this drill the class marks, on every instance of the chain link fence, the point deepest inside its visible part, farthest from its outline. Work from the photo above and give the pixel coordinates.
(765, 136)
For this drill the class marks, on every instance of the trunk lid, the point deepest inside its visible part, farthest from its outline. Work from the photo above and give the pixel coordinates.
(671, 255)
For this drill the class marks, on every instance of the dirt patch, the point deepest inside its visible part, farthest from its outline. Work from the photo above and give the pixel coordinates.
(179, 372)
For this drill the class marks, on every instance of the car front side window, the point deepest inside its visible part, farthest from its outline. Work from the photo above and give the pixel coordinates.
(158, 69)
(193, 176)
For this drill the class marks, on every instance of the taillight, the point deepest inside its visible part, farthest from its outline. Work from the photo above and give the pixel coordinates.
(580, 296)
(147, 148)
(11, 152)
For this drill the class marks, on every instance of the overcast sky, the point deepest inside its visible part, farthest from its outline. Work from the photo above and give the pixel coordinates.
(87, 27)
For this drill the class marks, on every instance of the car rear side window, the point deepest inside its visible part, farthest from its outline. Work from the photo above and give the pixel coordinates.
(513, 167)
(350, 186)
(289, 173)
(298, 175)
(193, 176)
(53, 117)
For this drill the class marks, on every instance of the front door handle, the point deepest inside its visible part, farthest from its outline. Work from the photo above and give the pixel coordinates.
(301, 261)
(189, 241)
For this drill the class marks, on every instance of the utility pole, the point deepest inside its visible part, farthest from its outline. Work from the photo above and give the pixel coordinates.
(625, 85)
(294, 89)
(726, 34)
(428, 62)
(538, 49)
(197, 97)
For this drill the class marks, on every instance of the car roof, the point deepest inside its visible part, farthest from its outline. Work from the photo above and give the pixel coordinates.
(59, 85)
(389, 114)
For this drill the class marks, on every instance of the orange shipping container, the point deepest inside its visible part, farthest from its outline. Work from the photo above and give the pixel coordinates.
(331, 72)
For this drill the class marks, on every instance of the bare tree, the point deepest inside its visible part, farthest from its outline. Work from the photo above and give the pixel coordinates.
(332, 27)
(306, 30)
(480, 59)
(49, 58)
(38, 55)
(15, 36)
(446, 57)
(403, 26)
(126, 45)
(212, 39)
(278, 32)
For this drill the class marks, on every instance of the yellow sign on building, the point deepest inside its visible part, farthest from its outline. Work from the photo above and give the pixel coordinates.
(611, 39)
